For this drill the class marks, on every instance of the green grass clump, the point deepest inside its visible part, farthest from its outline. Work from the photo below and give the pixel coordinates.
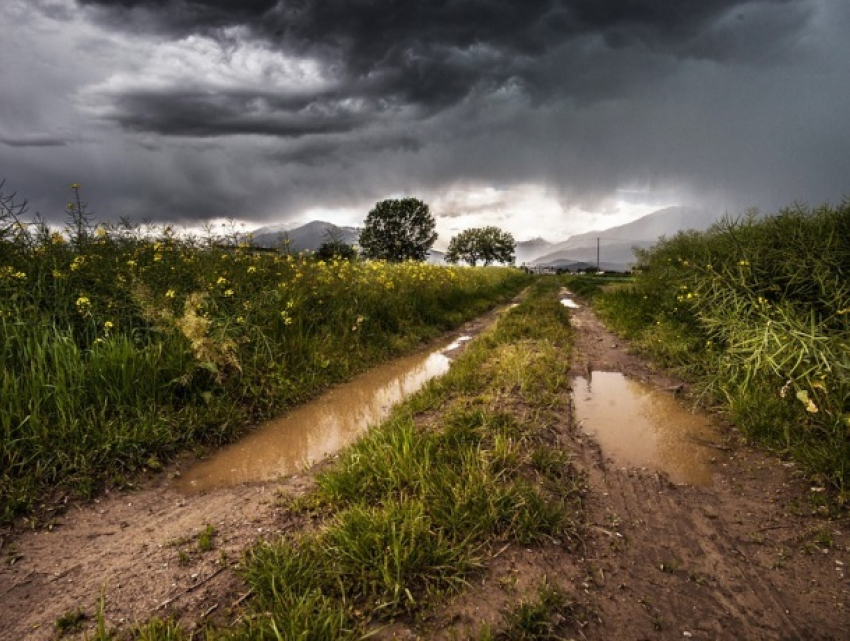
(758, 310)
(535, 620)
(205, 538)
(161, 630)
(71, 621)
(120, 345)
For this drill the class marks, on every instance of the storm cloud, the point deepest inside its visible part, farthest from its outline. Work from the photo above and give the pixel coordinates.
(265, 109)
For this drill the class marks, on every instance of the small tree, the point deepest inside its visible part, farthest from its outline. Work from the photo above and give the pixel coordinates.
(398, 230)
(335, 247)
(488, 244)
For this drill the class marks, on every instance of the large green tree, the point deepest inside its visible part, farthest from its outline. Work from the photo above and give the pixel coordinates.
(398, 230)
(487, 244)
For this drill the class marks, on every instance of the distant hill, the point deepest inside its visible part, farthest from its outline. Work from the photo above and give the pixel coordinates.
(618, 256)
(585, 266)
(528, 250)
(308, 237)
(436, 257)
(616, 243)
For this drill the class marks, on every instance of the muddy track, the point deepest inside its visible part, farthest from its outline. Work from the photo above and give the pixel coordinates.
(743, 558)
(140, 549)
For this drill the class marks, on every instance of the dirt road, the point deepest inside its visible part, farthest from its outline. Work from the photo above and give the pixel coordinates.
(741, 558)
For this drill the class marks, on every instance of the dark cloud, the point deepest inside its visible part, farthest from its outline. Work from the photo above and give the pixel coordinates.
(368, 30)
(180, 16)
(191, 109)
(202, 114)
(428, 56)
(33, 140)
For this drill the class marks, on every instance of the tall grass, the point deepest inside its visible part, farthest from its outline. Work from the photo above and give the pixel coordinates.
(119, 345)
(759, 310)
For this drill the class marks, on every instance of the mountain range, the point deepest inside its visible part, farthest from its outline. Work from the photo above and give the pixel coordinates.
(614, 245)
(308, 237)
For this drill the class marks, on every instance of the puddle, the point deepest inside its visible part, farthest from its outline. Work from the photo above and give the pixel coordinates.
(311, 432)
(456, 343)
(638, 426)
(569, 302)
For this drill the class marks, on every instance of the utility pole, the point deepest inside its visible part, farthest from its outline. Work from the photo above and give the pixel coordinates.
(597, 253)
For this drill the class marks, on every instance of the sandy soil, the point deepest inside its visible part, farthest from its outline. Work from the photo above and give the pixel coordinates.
(746, 557)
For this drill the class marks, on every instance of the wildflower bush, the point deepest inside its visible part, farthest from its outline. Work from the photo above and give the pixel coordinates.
(759, 310)
(121, 344)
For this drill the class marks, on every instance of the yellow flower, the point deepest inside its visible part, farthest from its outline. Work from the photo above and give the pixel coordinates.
(170, 293)
(228, 292)
(108, 325)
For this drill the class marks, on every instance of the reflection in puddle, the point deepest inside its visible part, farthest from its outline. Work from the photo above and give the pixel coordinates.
(456, 343)
(641, 427)
(314, 430)
(569, 302)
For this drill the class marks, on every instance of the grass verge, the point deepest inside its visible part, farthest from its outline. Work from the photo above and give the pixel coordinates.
(120, 346)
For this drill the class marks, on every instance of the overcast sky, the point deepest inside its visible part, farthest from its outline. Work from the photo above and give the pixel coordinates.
(540, 116)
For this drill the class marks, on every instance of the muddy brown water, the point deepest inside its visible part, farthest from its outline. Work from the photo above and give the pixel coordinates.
(322, 427)
(638, 426)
